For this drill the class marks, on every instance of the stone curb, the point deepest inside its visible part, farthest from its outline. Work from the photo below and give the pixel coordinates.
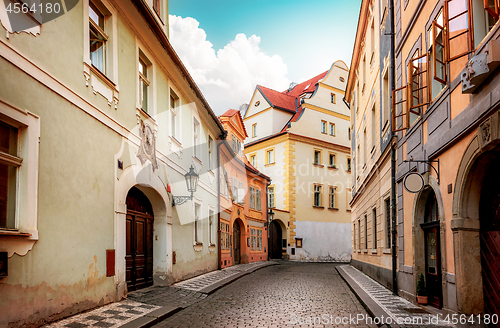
(152, 318)
(368, 303)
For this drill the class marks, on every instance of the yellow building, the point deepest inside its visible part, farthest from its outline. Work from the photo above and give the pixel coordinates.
(368, 94)
(300, 139)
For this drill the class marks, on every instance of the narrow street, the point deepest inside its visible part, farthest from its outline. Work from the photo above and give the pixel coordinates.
(275, 296)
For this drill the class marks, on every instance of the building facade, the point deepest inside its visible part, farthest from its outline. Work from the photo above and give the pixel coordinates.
(368, 94)
(445, 116)
(300, 139)
(96, 138)
(243, 213)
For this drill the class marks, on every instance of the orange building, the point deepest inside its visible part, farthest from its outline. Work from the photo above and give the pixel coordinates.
(243, 200)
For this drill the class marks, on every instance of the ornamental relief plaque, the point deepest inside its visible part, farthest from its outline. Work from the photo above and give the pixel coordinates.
(147, 149)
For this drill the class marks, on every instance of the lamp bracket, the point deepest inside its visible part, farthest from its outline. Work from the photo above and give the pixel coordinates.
(179, 200)
(428, 162)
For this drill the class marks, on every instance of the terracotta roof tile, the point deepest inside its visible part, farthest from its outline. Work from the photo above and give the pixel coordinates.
(306, 86)
(279, 99)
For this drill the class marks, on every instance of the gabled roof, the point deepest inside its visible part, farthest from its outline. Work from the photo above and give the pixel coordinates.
(278, 99)
(306, 86)
(232, 112)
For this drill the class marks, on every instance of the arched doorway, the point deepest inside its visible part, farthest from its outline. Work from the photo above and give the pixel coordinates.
(275, 240)
(432, 252)
(236, 243)
(139, 240)
(489, 217)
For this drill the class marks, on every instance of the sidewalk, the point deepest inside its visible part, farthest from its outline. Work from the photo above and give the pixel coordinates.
(381, 303)
(148, 306)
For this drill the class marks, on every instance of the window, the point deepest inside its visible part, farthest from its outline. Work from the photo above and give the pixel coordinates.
(233, 144)
(254, 130)
(372, 43)
(298, 242)
(348, 163)
(252, 198)
(259, 239)
(354, 236)
(374, 218)
(359, 234)
(332, 98)
(366, 231)
(332, 161)
(174, 118)
(386, 99)
(349, 133)
(374, 128)
(269, 156)
(365, 148)
(418, 85)
(387, 204)
(332, 201)
(332, 129)
(270, 195)
(253, 160)
(238, 147)
(323, 127)
(253, 243)
(317, 157)
(156, 7)
(196, 139)
(210, 153)
(144, 83)
(241, 193)
(224, 236)
(348, 199)
(9, 165)
(486, 14)
(98, 38)
(318, 193)
(197, 224)
(211, 225)
(257, 200)
(436, 53)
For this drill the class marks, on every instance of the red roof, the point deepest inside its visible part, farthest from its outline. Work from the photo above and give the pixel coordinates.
(279, 99)
(307, 86)
(230, 113)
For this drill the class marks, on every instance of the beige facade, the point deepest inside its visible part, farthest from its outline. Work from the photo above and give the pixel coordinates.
(100, 121)
(300, 138)
(367, 92)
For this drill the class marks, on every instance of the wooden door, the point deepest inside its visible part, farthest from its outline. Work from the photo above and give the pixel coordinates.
(139, 243)
(275, 240)
(236, 243)
(433, 266)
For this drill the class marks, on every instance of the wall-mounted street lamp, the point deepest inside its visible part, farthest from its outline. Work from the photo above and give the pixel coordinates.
(270, 215)
(192, 183)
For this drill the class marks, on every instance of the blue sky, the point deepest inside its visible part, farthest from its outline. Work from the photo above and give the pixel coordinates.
(308, 36)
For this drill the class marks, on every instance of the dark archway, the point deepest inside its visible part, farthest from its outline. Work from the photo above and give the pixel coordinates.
(236, 242)
(489, 217)
(139, 245)
(275, 240)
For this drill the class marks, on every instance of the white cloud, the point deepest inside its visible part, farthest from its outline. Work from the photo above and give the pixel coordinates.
(229, 76)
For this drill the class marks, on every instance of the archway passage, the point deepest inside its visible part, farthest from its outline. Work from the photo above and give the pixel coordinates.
(139, 254)
(489, 216)
(275, 240)
(236, 243)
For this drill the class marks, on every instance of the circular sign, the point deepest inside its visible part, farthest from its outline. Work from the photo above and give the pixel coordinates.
(413, 182)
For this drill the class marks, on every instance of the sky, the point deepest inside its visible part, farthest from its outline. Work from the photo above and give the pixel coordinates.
(231, 46)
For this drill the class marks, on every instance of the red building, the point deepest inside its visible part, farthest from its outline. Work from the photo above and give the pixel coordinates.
(243, 199)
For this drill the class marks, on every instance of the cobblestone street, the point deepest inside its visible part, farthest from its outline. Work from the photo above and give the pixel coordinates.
(275, 296)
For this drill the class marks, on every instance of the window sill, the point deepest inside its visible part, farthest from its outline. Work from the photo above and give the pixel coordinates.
(198, 247)
(374, 251)
(102, 76)
(333, 167)
(101, 84)
(386, 251)
(14, 234)
(319, 207)
(333, 208)
(270, 164)
(211, 172)
(174, 140)
(198, 160)
(348, 170)
(148, 116)
(318, 165)
(365, 251)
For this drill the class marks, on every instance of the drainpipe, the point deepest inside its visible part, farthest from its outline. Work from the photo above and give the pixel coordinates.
(393, 155)
(267, 217)
(222, 139)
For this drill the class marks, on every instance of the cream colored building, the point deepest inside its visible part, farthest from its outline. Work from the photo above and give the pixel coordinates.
(300, 138)
(368, 94)
(99, 123)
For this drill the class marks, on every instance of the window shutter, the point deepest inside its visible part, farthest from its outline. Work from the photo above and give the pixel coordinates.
(492, 11)
(418, 83)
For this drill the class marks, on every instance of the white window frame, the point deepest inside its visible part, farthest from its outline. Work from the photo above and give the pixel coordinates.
(26, 211)
(197, 224)
(254, 130)
(175, 116)
(331, 129)
(271, 196)
(318, 189)
(212, 223)
(141, 52)
(196, 138)
(332, 193)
